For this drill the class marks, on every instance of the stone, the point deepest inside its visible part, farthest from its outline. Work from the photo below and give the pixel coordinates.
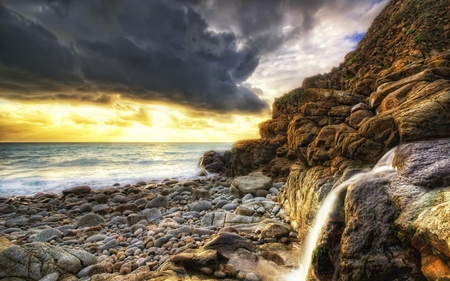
(229, 207)
(201, 206)
(247, 197)
(127, 207)
(86, 208)
(222, 203)
(133, 219)
(120, 199)
(47, 234)
(7, 209)
(200, 193)
(19, 221)
(85, 258)
(275, 230)
(90, 220)
(252, 277)
(36, 260)
(227, 243)
(102, 209)
(153, 215)
(251, 183)
(206, 270)
(100, 198)
(95, 238)
(158, 202)
(51, 277)
(77, 190)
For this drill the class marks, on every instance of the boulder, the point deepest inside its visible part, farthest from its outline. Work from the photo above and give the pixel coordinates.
(214, 162)
(34, 261)
(250, 184)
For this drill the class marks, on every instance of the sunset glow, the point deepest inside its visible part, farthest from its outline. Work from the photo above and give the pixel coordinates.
(162, 71)
(118, 122)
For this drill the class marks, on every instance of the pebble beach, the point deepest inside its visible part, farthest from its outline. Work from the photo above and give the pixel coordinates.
(198, 229)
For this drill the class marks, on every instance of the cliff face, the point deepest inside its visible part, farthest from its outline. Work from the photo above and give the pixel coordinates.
(394, 88)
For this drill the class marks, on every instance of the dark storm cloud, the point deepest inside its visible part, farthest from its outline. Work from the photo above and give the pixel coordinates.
(192, 53)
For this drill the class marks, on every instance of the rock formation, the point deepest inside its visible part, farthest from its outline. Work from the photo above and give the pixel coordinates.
(393, 89)
(214, 162)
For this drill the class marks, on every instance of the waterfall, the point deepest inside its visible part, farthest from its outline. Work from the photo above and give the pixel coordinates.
(383, 166)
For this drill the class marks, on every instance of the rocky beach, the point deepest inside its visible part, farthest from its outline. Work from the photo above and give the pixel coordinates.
(373, 134)
(198, 229)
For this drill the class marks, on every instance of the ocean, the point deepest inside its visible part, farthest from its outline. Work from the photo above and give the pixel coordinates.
(29, 168)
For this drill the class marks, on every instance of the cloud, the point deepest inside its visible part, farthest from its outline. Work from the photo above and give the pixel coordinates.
(191, 53)
(149, 51)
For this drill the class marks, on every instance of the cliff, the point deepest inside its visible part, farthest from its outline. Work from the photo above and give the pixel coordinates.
(393, 89)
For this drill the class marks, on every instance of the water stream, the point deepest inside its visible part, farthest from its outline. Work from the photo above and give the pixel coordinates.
(383, 166)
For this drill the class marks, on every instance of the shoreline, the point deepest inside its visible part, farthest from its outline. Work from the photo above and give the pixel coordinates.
(141, 228)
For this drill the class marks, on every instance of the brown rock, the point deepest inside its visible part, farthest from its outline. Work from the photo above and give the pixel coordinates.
(275, 230)
(77, 190)
(434, 268)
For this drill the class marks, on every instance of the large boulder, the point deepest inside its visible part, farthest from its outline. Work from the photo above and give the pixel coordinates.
(214, 162)
(250, 184)
(34, 261)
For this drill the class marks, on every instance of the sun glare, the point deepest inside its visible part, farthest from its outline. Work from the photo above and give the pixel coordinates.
(120, 122)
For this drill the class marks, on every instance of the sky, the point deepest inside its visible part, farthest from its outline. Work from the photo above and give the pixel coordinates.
(163, 70)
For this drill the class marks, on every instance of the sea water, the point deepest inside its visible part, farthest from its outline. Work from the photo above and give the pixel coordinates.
(29, 168)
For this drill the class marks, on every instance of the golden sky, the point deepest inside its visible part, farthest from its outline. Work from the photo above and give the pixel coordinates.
(122, 121)
(162, 71)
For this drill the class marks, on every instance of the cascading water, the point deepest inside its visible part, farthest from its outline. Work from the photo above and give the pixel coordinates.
(383, 166)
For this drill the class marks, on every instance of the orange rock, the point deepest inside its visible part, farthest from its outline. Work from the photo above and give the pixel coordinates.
(433, 267)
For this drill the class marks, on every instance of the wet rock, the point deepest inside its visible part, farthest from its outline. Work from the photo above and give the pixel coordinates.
(228, 243)
(77, 190)
(250, 184)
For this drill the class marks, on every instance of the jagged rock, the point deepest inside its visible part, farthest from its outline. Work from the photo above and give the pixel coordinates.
(250, 155)
(213, 162)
